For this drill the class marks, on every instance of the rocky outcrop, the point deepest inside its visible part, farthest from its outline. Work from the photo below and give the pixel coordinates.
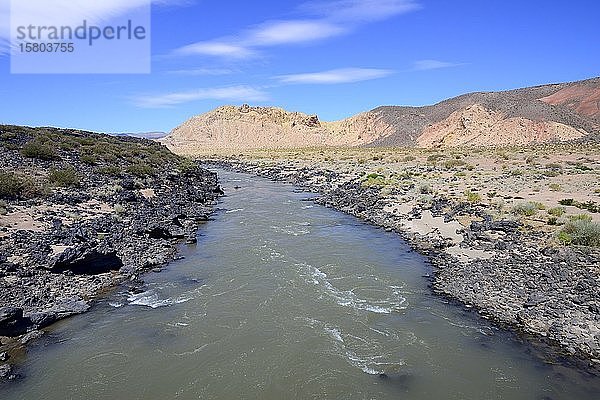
(96, 212)
(478, 126)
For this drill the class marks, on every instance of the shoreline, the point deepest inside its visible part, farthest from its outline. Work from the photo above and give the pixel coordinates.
(65, 247)
(491, 266)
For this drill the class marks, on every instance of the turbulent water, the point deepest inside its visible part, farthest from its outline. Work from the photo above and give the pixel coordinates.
(283, 299)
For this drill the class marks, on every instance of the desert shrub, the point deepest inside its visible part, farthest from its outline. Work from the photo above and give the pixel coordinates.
(580, 217)
(516, 172)
(409, 158)
(111, 170)
(472, 197)
(140, 170)
(88, 159)
(552, 221)
(374, 180)
(11, 185)
(425, 189)
(591, 206)
(187, 165)
(454, 163)
(566, 202)
(503, 155)
(556, 211)
(581, 232)
(38, 149)
(555, 187)
(64, 177)
(527, 209)
(433, 158)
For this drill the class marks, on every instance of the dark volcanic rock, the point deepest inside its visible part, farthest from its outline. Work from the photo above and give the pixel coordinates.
(85, 261)
(12, 322)
(132, 201)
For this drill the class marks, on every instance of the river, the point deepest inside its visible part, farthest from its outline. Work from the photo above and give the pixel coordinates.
(284, 299)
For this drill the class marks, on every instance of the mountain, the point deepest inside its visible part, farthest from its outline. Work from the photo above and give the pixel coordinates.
(144, 135)
(540, 114)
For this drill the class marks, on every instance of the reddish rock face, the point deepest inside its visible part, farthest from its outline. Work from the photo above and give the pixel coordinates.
(584, 99)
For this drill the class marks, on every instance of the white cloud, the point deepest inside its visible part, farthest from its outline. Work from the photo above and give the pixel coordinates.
(202, 71)
(334, 76)
(361, 10)
(424, 65)
(329, 19)
(216, 49)
(284, 32)
(231, 93)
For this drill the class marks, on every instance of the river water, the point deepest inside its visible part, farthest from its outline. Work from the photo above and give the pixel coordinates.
(284, 299)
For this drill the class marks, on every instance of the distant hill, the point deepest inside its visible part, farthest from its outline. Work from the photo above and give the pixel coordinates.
(144, 135)
(540, 114)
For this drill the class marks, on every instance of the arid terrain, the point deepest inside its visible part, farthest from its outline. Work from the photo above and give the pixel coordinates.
(542, 114)
(500, 190)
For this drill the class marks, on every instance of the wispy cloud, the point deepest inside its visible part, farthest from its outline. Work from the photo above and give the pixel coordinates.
(230, 93)
(289, 32)
(334, 76)
(216, 48)
(321, 21)
(424, 65)
(360, 10)
(202, 71)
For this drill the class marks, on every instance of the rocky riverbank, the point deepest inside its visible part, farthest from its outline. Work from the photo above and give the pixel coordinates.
(512, 273)
(81, 212)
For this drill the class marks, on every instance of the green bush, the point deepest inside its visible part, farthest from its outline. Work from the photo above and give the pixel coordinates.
(525, 209)
(187, 165)
(557, 211)
(566, 202)
(11, 185)
(111, 170)
(581, 232)
(374, 180)
(140, 170)
(88, 159)
(38, 149)
(64, 177)
(472, 197)
(580, 217)
(454, 163)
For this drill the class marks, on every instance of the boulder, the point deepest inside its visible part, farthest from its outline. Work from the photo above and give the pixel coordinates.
(12, 322)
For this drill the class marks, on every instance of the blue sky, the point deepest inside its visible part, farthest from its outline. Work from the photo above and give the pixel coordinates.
(331, 58)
